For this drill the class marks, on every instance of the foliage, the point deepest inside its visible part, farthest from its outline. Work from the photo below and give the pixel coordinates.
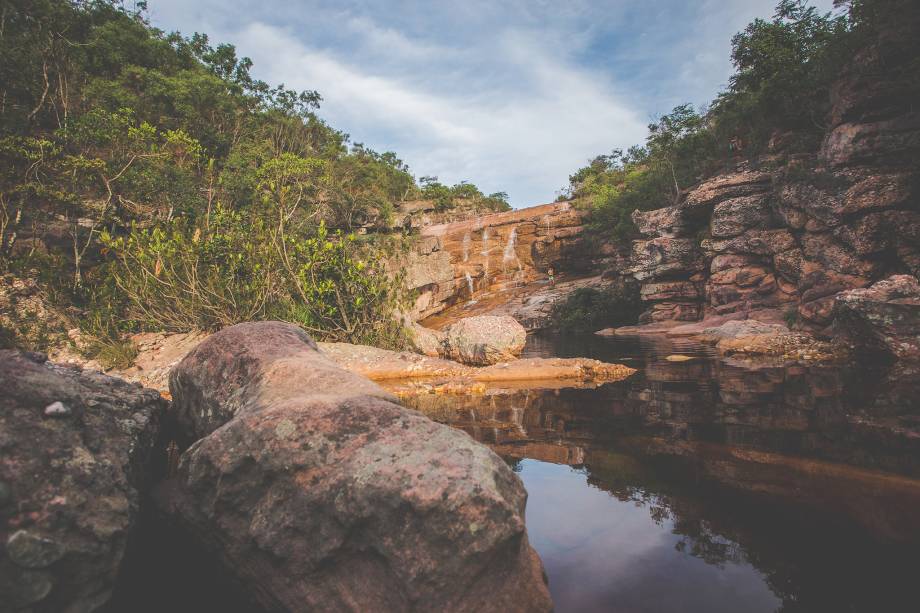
(783, 71)
(154, 163)
(588, 309)
(464, 192)
(784, 68)
(239, 268)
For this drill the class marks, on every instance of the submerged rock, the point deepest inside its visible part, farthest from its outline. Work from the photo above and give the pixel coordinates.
(75, 450)
(319, 493)
(484, 339)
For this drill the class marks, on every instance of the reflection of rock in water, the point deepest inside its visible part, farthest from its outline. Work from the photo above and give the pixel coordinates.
(714, 460)
(773, 429)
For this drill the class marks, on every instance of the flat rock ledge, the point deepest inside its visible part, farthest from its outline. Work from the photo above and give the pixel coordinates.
(318, 492)
(76, 449)
(385, 366)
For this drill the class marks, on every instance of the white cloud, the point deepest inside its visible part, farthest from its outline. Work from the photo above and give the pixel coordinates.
(512, 95)
(525, 137)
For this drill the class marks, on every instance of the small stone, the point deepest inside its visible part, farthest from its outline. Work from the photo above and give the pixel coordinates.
(31, 551)
(57, 409)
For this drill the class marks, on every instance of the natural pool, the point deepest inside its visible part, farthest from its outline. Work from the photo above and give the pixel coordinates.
(711, 485)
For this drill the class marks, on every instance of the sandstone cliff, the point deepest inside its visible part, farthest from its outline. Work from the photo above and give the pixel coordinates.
(792, 229)
(462, 260)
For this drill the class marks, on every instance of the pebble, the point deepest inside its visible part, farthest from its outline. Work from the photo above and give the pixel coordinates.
(57, 409)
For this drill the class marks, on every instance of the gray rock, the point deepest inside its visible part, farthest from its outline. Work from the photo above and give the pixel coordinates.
(484, 340)
(77, 481)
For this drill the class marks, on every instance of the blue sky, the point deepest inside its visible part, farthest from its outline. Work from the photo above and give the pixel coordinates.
(512, 95)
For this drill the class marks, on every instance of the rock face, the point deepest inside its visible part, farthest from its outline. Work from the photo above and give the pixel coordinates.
(75, 449)
(790, 231)
(461, 260)
(485, 339)
(883, 316)
(319, 493)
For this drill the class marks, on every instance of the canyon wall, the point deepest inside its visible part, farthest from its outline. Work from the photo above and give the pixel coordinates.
(461, 260)
(791, 230)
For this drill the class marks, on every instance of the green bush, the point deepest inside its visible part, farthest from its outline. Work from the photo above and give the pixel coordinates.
(588, 309)
(239, 268)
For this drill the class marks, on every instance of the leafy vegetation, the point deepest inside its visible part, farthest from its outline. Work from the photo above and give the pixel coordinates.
(784, 68)
(588, 309)
(448, 197)
(154, 183)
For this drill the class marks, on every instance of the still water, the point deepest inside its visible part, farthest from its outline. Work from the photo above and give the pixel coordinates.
(712, 485)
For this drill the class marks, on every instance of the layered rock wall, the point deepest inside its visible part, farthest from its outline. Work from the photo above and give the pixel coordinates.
(790, 231)
(462, 260)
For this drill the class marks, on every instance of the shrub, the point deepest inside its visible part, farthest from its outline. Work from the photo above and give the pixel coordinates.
(588, 309)
(180, 277)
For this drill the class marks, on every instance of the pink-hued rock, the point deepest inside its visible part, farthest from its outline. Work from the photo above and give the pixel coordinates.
(883, 316)
(319, 493)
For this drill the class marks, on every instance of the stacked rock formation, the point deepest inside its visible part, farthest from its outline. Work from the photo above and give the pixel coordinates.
(793, 230)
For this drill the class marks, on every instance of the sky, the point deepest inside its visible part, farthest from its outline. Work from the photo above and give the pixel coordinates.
(512, 95)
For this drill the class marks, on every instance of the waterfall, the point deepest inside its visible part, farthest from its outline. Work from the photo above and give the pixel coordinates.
(510, 255)
(469, 283)
(485, 254)
(466, 247)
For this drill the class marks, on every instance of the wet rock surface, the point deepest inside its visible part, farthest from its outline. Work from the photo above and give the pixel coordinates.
(467, 259)
(76, 450)
(317, 492)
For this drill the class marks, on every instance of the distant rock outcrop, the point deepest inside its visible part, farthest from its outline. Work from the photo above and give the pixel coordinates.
(319, 493)
(462, 260)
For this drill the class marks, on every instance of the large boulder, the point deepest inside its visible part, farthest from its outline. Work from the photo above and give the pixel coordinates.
(884, 316)
(319, 493)
(484, 339)
(75, 450)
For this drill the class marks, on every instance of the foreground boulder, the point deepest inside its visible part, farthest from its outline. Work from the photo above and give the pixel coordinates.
(484, 339)
(884, 316)
(319, 493)
(75, 449)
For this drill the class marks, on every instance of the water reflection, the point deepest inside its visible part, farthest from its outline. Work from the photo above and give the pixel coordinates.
(708, 485)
